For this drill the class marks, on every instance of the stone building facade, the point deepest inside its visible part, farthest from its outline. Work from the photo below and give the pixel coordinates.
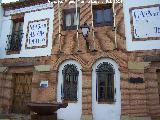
(135, 73)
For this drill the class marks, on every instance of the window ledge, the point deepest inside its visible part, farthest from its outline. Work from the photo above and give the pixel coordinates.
(9, 52)
(102, 25)
(107, 102)
(69, 101)
(71, 28)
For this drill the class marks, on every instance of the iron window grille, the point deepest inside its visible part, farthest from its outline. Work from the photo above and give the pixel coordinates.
(105, 83)
(102, 15)
(70, 83)
(15, 39)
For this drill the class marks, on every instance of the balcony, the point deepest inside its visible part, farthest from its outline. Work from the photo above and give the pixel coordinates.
(14, 42)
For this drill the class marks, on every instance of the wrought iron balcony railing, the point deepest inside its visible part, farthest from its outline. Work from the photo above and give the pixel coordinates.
(14, 41)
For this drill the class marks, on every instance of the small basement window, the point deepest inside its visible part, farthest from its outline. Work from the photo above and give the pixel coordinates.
(70, 21)
(102, 15)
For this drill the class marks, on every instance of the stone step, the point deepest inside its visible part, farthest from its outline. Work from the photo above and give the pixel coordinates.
(14, 117)
(156, 118)
(4, 117)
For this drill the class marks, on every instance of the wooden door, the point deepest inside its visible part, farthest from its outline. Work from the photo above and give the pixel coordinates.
(21, 92)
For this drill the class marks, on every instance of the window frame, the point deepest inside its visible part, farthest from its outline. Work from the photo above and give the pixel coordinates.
(74, 75)
(70, 11)
(102, 7)
(15, 38)
(14, 26)
(106, 73)
(19, 18)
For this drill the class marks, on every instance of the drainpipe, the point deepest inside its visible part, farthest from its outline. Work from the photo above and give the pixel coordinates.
(59, 25)
(77, 35)
(114, 24)
(93, 32)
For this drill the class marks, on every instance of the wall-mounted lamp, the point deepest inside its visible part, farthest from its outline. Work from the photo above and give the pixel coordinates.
(85, 30)
(50, 0)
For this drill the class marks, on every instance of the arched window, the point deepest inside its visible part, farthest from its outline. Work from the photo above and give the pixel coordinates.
(70, 82)
(105, 82)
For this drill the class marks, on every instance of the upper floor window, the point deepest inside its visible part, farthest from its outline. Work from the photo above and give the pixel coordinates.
(102, 15)
(70, 19)
(17, 26)
(15, 38)
(105, 82)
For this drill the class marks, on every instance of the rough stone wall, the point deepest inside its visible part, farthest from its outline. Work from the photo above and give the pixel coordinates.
(104, 36)
(5, 92)
(9, 62)
(137, 99)
(145, 94)
(152, 89)
(104, 44)
(24, 65)
(39, 94)
(87, 62)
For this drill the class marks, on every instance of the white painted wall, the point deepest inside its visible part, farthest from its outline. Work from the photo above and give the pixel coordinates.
(74, 110)
(1, 15)
(138, 45)
(6, 30)
(106, 111)
(31, 16)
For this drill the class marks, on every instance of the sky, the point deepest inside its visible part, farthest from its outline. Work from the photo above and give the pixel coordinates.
(7, 1)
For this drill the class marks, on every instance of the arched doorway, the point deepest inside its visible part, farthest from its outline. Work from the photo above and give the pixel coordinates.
(69, 90)
(106, 96)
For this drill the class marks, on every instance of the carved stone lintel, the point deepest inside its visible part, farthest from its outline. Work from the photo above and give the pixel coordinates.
(18, 64)
(42, 68)
(137, 65)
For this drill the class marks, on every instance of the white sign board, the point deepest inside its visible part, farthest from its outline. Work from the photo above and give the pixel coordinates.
(145, 23)
(37, 34)
(44, 84)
